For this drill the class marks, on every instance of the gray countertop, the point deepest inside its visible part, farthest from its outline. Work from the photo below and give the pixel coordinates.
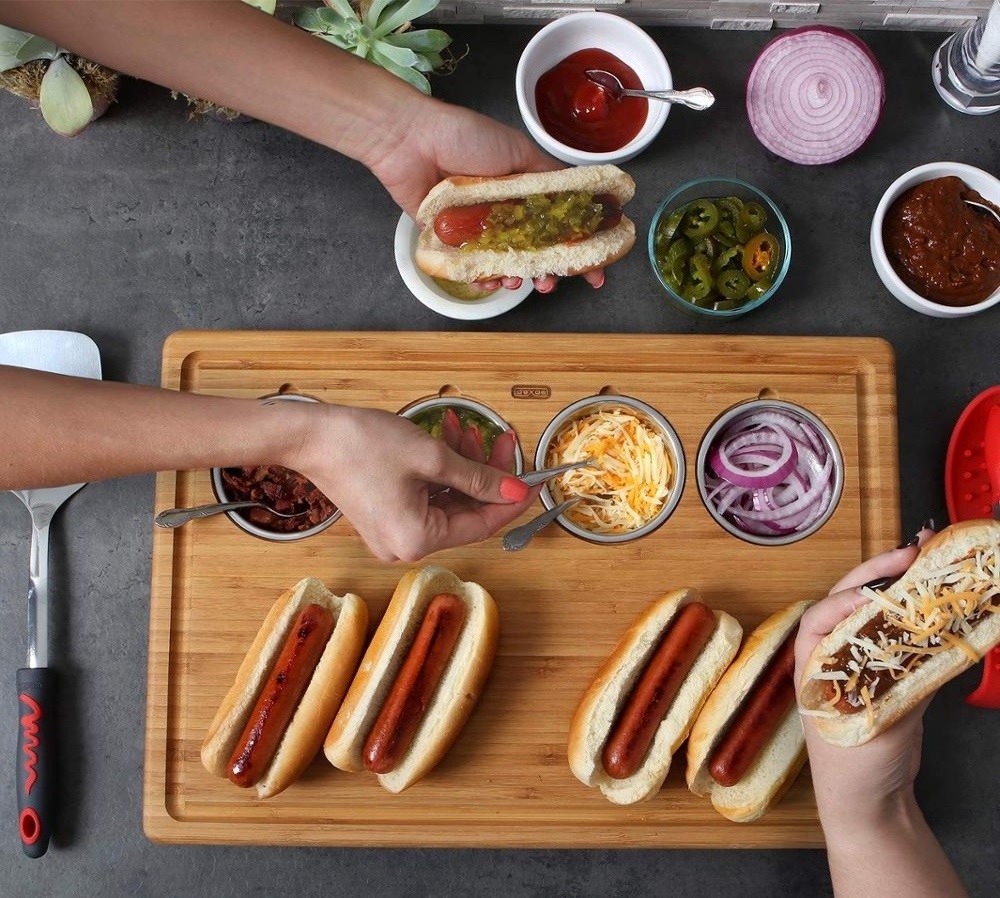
(149, 223)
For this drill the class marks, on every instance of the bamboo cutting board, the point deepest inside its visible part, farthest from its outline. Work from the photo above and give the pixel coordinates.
(563, 602)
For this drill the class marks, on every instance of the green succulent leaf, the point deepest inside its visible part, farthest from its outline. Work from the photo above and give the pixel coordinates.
(263, 5)
(399, 55)
(64, 99)
(388, 15)
(429, 40)
(19, 47)
(411, 76)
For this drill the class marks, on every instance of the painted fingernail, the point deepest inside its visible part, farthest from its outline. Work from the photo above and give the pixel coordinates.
(513, 490)
(930, 524)
(878, 583)
(912, 541)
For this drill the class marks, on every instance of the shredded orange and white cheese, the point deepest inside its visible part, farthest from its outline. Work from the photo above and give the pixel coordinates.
(631, 476)
(929, 617)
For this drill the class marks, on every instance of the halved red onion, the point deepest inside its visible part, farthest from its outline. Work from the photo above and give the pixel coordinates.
(815, 94)
(770, 473)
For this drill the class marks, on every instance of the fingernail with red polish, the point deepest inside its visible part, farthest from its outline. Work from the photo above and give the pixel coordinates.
(598, 284)
(513, 490)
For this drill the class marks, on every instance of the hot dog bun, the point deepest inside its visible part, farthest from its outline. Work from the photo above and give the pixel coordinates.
(607, 694)
(455, 696)
(784, 755)
(465, 265)
(963, 558)
(327, 685)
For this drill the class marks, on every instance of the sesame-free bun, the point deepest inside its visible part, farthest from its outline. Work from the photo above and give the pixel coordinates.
(977, 542)
(327, 685)
(440, 260)
(607, 694)
(456, 694)
(784, 755)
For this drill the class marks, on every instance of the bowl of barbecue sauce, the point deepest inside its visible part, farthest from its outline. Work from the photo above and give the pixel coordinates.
(572, 117)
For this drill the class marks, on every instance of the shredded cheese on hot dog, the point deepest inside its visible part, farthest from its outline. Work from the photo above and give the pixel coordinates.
(631, 476)
(931, 616)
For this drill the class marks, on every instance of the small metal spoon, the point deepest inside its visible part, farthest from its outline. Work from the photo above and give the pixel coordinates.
(984, 207)
(174, 517)
(694, 98)
(516, 539)
(533, 478)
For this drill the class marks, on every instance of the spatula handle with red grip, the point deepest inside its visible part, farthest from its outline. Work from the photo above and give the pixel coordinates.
(35, 752)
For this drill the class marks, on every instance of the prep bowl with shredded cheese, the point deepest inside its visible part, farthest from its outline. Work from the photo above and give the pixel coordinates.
(769, 472)
(637, 473)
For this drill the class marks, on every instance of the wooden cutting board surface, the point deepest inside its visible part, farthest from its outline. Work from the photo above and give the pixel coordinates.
(563, 602)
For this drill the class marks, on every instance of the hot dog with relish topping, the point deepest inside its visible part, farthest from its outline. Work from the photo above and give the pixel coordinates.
(419, 680)
(641, 704)
(747, 745)
(526, 225)
(939, 618)
(272, 721)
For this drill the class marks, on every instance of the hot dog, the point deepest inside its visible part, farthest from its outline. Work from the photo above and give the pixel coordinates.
(914, 636)
(272, 721)
(747, 747)
(640, 705)
(526, 225)
(419, 680)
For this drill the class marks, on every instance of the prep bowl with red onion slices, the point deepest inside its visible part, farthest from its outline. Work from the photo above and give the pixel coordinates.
(637, 472)
(815, 95)
(770, 472)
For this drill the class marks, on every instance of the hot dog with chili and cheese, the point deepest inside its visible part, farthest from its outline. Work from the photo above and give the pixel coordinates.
(271, 723)
(526, 225)
(641, 704)
(747, 745)
(910, 639)
(419, 680)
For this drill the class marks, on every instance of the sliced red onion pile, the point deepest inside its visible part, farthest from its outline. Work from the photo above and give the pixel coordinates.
(770, 473)
(815, 94)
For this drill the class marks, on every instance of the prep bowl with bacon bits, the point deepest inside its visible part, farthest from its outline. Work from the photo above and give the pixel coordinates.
(770, 472)
(637, 473)
(279, 488)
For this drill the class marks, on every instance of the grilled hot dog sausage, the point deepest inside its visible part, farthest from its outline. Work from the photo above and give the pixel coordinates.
(763, 710)
(656, 689)
(415, 683)
(281, 695)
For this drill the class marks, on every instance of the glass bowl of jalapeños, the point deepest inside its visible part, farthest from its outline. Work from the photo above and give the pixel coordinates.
(719, 247)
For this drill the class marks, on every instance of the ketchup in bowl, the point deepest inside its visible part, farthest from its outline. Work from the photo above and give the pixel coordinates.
(583, 115)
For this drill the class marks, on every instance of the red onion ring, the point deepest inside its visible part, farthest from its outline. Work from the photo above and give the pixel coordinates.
(815, 94)
(770, 473)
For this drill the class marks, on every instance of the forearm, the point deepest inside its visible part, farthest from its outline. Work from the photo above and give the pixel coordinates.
(70, 430)
(893, 853)
(234, 55)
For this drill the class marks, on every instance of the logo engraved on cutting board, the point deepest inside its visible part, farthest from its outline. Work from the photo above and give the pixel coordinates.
(530, 391)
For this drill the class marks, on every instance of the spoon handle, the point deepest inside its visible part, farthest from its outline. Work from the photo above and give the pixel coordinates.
(174, 517)
(533, 478)
(516, 539)
(695, 98)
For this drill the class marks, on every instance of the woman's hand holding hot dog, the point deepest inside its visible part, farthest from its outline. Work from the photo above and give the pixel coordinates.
(273, 71)
(864, 794)
(386, 474)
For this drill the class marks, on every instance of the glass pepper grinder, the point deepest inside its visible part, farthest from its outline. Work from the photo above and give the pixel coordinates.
(966, 67)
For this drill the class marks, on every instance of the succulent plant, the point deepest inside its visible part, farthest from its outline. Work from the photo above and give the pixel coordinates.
(69, 91)
(381, 33)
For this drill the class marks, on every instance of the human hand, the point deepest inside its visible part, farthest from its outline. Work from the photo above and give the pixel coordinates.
(407, 493)
(443, 140)
(865, 781)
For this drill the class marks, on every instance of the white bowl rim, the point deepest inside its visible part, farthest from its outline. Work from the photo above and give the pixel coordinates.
(432, 296)
(654, 122)
(911, 178)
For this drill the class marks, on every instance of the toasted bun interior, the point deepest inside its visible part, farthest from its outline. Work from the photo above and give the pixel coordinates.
(963, 558)
(608, 692)
(319, 704)
(781, 759)
(456, 695)
(440, 260)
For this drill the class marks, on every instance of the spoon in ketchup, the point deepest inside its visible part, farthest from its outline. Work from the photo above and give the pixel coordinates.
(694, 98)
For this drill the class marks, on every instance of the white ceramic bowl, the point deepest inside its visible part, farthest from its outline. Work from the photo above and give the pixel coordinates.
(986, 184)
(435, 297)
(582, 31)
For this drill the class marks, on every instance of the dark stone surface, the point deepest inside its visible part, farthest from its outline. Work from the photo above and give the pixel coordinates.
(149, 223)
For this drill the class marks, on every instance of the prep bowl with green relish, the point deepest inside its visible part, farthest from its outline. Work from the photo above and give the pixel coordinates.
(719, 247)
